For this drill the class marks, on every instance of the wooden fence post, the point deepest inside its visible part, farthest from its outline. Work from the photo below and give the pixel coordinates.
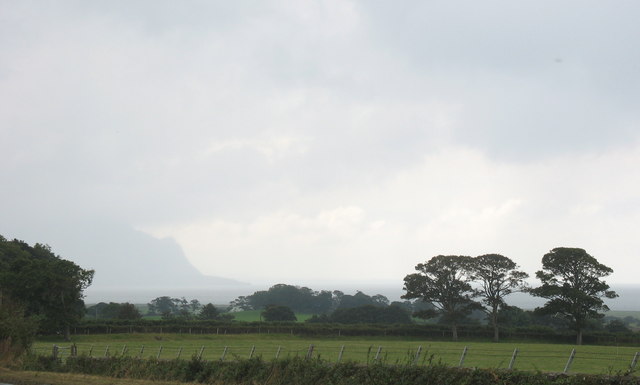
(179, 352)
(224, 353)
(569, 361)
(634, 362)
(278, 352)
(377, 357)
(310, 351)
(54, 352)
(417, 357)
(340, 354)
(513, 358)
(200, 354)
(159, 352)
(253, 349)
(124, 349)
(90, 350)
(106, 351)
(141, 351)
(464, 354)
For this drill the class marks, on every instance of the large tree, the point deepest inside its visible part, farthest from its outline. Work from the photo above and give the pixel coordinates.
(443, 281)
(498, 277)
(45, 284)
(572, 283)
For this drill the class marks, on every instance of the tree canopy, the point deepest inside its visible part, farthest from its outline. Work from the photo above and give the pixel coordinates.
(444, 281)
(498, 278)
(45, 284)
(306, 300)
(275, 313)
(572, 283)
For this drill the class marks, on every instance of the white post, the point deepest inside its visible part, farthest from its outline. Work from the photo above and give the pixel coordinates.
(159, 352)
(568, 365)
(278, 352)
(513, 358)
(340, 354)
(253, 349)
(179, 352)
(224, 353)
(415, 360)
(378, 353)
(310, 351)
(464, 354)
(634, 362)
(200, 354)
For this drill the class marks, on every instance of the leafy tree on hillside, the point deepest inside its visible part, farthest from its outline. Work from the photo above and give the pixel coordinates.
(572, 283)
(278, 313)
(443, 281)
(498, 278)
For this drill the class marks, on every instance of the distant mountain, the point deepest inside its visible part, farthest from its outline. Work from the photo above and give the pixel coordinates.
(122, 257)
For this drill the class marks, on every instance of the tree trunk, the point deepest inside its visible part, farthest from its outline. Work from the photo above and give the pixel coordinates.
(67, 333)
(454, 332)
(494, 323)
(579, 337)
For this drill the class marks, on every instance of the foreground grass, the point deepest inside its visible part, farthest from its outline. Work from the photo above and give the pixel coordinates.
(38, 378)
(398, 351)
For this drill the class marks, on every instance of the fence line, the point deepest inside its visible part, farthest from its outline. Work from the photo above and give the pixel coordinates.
(373, 354)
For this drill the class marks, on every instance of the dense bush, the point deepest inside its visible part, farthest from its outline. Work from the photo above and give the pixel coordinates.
(301, 371)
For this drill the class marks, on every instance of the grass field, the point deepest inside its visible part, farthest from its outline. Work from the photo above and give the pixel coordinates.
(531, 356)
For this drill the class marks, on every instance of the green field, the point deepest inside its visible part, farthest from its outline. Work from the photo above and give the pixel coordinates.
(531, 357)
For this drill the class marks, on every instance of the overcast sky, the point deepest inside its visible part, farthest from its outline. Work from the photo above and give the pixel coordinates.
(280, 141)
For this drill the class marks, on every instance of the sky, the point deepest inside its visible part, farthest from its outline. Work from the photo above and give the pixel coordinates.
(321, 141)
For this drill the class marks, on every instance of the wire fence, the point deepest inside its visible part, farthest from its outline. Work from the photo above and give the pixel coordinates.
(611, 360)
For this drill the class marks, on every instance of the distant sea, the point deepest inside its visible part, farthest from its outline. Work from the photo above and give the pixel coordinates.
(629, 299)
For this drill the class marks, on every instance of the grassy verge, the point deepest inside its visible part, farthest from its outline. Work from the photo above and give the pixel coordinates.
(38, 378)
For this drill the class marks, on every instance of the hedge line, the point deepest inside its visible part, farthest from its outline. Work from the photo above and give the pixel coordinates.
(298, 371)
(434, 332)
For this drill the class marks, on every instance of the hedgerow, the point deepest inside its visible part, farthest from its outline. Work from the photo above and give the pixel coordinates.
(300, 371)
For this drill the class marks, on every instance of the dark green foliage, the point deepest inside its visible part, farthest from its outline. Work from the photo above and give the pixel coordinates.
(498, 278)
(443, 281)
(617, 326)
(17, 331)
(305, 300)
(278, 313)
(45, 284)
(371, 314)
(128, 311)
(299, 371)
(572, 283)
(361, 299)
(208, 312)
